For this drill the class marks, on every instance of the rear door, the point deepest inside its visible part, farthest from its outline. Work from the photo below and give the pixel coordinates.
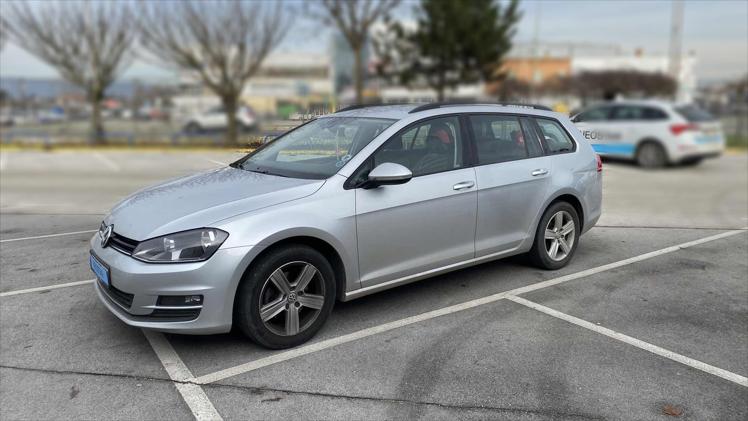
(426, 223)
(638, 122)
(513, 175)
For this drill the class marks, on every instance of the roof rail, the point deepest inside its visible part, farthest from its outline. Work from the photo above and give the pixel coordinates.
(378, 104)
(435, 105)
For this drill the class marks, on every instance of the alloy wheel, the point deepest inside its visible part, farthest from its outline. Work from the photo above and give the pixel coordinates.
(559, 235)
(292, 298)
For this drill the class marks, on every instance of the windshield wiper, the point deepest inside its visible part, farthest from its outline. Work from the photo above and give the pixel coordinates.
(263, 171)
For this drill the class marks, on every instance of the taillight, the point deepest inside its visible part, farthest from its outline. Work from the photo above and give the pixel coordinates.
(599, 163)
(677, 129)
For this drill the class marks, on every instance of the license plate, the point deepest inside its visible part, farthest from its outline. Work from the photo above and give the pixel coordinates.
(101, 271)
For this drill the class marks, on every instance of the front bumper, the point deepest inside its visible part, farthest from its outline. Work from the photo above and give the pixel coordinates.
(137, 286)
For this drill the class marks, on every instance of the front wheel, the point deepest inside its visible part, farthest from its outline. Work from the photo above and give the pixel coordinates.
(556, 238)
(285, 297)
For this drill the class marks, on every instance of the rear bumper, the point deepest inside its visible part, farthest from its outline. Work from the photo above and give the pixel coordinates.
(136, 287)
(697, 147)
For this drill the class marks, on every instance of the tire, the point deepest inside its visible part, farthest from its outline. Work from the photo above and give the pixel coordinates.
(541, 253)
(192, 128)
(651, 155)
(261, 290)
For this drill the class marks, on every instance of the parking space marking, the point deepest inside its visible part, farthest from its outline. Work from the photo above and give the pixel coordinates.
(194, 395)
(47, 236)
(108, 162)
(727, 375)
(223, 164)
(374, 330)
(47, 288)
(3, 161)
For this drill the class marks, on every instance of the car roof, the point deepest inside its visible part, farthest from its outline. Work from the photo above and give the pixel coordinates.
(402, 111)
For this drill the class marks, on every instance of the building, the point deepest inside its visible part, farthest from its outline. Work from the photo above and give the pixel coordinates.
(286, 83)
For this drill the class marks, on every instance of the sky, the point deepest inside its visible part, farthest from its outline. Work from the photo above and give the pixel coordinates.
(715, 31)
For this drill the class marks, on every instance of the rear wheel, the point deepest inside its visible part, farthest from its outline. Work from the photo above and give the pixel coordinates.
(651, 155)
(556, 238)
(285, 297)
(192, 128)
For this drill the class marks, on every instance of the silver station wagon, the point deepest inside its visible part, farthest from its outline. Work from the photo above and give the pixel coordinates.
(358, 201)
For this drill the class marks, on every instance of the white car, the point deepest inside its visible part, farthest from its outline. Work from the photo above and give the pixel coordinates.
(653, 133)
(214, 119)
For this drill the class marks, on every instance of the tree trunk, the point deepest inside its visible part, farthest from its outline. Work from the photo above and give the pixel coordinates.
(97, 127)
(358, 74)
(230, 105)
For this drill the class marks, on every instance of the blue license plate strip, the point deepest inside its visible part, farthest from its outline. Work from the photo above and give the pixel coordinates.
(98, 268)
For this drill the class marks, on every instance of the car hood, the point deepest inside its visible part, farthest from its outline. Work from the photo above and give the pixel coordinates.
(200, 200)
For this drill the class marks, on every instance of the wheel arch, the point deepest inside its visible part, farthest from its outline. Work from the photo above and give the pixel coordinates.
(315, 242)
(566, 195)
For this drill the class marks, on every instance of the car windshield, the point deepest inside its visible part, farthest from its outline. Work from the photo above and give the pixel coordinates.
(317, 149)
(694, 114)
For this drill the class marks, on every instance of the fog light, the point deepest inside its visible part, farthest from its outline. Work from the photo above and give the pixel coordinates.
(180, 300)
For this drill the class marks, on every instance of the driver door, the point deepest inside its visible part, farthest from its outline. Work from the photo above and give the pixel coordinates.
(426, 223)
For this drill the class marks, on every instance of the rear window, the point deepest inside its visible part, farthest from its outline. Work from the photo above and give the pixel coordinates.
(693, 113)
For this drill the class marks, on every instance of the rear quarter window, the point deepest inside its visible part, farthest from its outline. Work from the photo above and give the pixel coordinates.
(693, 113)
(553, 136)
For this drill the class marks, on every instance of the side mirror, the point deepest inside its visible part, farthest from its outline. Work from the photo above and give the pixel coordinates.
(388, 173)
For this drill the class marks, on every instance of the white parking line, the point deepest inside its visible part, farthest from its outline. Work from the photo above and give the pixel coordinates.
(223, 164)
(193, 394)
(3, 161)
(108, 162)
(47, 288)
(374, 330)
(47, 236)
(727, 375)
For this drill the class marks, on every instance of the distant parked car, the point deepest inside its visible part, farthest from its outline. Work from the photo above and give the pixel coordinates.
(215, 120)
(6, 119)
(51, 115)
(653, 133)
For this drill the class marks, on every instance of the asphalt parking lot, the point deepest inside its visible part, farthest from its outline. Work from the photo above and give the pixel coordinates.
(650, 318)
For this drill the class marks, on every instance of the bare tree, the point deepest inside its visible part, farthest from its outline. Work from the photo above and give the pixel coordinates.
(354, 19)
(223, 43)
(88, 43)
(3, 33)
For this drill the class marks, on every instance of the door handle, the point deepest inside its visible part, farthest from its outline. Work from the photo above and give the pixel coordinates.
(463, 185)
(539, 171)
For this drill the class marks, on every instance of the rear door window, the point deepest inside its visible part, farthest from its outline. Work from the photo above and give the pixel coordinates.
(555, 139)
(499, 138)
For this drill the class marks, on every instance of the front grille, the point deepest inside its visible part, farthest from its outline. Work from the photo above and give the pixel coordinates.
(122, 244)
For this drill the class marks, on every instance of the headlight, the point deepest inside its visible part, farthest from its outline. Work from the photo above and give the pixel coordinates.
(186, 246)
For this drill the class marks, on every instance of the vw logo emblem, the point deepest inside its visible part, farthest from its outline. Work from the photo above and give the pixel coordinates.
(105, 235)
